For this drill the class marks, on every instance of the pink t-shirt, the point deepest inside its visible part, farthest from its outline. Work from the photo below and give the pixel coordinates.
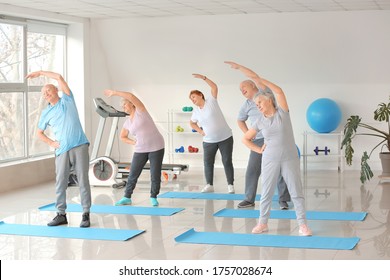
(143, 128)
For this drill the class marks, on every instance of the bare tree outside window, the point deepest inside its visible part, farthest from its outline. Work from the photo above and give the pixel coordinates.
(11, 55)
(44, 51)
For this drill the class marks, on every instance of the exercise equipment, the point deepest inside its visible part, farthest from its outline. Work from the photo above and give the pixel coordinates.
(299, 152)
(110, 209)
(209, 196)
(180, 150)
(326, 151)
(90, 233)
(192, 149)
(267, 240)
(323, 115)
(187, 109)
(326, 193)
(103, 170)
(291, 215)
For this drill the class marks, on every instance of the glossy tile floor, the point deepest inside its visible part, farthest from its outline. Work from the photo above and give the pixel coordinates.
(324, 190)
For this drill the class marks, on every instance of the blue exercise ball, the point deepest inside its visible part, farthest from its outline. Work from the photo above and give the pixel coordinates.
(323, 115)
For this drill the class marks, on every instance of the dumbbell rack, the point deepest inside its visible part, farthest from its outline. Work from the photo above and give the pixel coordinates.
(308, 152)
(182, 138)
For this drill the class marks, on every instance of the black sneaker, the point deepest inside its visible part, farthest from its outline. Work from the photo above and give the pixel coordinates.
(60, 219)
(85, 221)
(283, 205)
(245, 204)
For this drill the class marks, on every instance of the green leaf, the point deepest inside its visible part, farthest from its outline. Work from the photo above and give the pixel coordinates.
(365, 171)
(382, 113)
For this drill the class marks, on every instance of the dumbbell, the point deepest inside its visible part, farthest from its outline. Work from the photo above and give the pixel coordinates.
(180, 150)
(326, 150)
(187, 109)
(192, 149)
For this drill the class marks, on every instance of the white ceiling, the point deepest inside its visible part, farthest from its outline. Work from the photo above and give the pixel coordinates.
(169, 8)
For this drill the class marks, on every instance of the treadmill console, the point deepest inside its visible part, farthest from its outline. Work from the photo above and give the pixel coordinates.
(105, 110)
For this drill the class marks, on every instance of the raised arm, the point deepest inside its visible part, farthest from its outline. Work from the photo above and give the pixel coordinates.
(62, 84)
(261, 83)
(213, 86)
(127, 95)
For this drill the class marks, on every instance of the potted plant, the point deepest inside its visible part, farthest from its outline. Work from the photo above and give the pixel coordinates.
(381, 114)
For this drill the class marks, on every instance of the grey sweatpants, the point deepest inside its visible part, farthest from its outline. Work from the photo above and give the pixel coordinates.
(253, 172)
(290, 170)
(77, 159)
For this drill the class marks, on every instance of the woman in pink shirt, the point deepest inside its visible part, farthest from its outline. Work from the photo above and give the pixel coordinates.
(148, 145)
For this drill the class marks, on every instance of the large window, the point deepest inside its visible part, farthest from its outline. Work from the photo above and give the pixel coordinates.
(26, 46)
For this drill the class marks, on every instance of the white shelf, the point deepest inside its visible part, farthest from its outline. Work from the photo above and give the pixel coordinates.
(335, 137)
(176, 139)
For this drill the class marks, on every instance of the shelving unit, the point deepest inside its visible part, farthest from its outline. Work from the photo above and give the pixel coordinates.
(185, 138)
(334, 144)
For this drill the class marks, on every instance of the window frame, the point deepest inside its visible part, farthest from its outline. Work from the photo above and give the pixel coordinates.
(34, 26)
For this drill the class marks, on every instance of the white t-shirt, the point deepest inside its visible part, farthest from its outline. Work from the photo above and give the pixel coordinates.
(211, 119)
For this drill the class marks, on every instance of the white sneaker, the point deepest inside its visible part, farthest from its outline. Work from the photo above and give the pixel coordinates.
(304, 230)
(208, 188)
(231, 189)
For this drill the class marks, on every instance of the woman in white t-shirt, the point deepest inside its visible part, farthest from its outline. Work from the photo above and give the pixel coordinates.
(208, 120)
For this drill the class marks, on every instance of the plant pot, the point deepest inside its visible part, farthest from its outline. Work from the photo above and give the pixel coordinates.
(385, 159)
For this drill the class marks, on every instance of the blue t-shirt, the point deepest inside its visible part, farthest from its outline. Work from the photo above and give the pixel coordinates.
(64, 120)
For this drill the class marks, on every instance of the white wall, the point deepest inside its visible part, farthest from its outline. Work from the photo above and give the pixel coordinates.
(340, 55)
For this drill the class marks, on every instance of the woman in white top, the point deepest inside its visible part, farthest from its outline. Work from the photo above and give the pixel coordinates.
(208, 120)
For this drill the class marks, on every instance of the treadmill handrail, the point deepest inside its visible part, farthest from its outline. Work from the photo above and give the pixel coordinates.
(105, 110)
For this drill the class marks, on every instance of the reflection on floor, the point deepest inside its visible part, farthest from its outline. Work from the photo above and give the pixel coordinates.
(324, 191)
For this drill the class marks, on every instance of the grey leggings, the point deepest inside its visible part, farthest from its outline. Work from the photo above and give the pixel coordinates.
(138, 163)
(252, 175)
(210, 150)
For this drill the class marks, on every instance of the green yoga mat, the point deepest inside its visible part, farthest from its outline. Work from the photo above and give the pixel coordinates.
(209, 196)
(267, 240)
(68, 232)
(109, 209)
(283, 214)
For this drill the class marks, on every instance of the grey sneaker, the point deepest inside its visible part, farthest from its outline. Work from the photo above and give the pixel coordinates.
(283, 205)
(85, 220)
(245, 204)
(58, 220)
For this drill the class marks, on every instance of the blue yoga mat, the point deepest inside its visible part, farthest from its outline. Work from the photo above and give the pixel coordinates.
(267, 240)
(109, 209)
(283, 214)
(68, 232)
(208, 196)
